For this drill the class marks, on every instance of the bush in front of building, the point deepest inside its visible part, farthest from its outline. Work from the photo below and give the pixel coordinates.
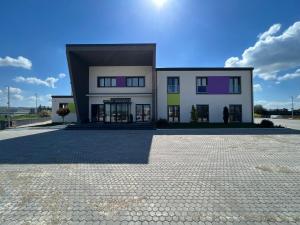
(63, 112)
(162, 123)
(225, 115)
(266, 124)
(194, 115)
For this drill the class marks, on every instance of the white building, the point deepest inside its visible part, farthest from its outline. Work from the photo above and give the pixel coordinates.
(120, 83)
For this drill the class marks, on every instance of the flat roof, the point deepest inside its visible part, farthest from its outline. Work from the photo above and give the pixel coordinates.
(62, 96)
(141, 54)
(203, 68)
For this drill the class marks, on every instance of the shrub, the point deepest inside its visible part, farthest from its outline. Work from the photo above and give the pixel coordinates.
(266, 124)
(194, 115)
(161, 123)
(44, 113)
(63, 112)
(225, 115)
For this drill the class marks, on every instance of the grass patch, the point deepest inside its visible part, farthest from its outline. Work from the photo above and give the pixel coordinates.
(21, 117)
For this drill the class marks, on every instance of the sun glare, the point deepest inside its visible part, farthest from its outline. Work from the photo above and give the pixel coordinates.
(159, 3)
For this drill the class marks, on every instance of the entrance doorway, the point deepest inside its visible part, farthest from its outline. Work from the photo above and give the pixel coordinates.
(117, 112)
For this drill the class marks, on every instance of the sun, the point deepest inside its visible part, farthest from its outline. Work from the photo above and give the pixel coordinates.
(159, 3)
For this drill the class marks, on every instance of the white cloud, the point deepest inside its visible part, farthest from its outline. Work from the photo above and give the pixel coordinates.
(18, 97)
(271, 54)
(61, 75)
(272, 30)
(49, 81)
(298, 97)
(257, 87)
(13, 90)
(290, 76)
(16, 62)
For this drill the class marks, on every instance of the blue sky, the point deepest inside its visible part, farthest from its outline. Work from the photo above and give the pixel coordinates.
(263, 34)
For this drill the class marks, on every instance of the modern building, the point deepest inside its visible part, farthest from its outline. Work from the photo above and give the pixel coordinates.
(119, 83)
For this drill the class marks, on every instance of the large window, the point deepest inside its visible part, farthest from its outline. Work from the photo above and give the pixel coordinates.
(235, 85)
(235, 113)
(142, 112)
(173, 85)
(201, 83)
(107, 81)
(173, 113)
(135, 81)
(203, 113)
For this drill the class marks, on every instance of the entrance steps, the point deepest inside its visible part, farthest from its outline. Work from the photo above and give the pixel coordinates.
(111, 126)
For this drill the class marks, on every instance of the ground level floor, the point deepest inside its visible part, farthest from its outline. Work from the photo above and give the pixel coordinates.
(151, 177)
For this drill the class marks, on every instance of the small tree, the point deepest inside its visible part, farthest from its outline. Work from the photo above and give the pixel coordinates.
(63, 112)
(194, 114)
(225, 115)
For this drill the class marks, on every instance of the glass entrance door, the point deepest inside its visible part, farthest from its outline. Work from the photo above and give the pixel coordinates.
(117, 112)
(142, 112)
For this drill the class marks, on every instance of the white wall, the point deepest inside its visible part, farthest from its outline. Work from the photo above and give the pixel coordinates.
(71, 117)
(146, 99)
(216, 102)
(108, 71)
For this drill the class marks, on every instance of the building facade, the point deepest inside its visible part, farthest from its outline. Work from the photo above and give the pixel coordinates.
(120, 83)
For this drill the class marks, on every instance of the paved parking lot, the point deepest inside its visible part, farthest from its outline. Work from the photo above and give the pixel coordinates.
(149, 177)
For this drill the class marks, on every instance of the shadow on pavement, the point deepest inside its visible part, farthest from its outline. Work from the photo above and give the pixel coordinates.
(63, 146)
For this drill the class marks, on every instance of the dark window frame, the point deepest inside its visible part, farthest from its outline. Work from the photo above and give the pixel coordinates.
(239, 83)
(230, 113)
(197, 108)
(63, 105)
(173, 77)
(98, 112)
(132, 77)
(201, 77)
(173, 113)
(143, 120)
(109, 77)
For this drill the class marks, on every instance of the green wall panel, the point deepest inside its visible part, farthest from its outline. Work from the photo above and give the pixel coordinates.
(71, 106)
(173, 99)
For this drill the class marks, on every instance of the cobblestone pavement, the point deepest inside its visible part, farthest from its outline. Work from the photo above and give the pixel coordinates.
(149, 177)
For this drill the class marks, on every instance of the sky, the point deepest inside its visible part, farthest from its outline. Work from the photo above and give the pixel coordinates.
(197, 33)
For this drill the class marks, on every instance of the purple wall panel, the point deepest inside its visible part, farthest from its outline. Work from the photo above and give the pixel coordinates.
(218, 85)
(121, 81)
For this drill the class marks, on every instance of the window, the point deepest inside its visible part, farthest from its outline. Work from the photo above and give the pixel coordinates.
(135, 81)
(107, 82)
(63, 105)
(235, 113)
(201, 83)
(142, 112)
(97, 112)
(173, 113)
(173, 85)
(235, 85)
(203, 113)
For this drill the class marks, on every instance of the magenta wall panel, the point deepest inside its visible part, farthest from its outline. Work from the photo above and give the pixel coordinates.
(218, 85)
(121, 81)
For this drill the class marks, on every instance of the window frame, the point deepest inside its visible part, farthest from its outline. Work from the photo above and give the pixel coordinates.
(199, 105)
(241, 116)
(173, 113)
(143, 115)
(99, 78)
(201, 77)
(239, 83)
(173, 77)
(132, 77)
(63, 105)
